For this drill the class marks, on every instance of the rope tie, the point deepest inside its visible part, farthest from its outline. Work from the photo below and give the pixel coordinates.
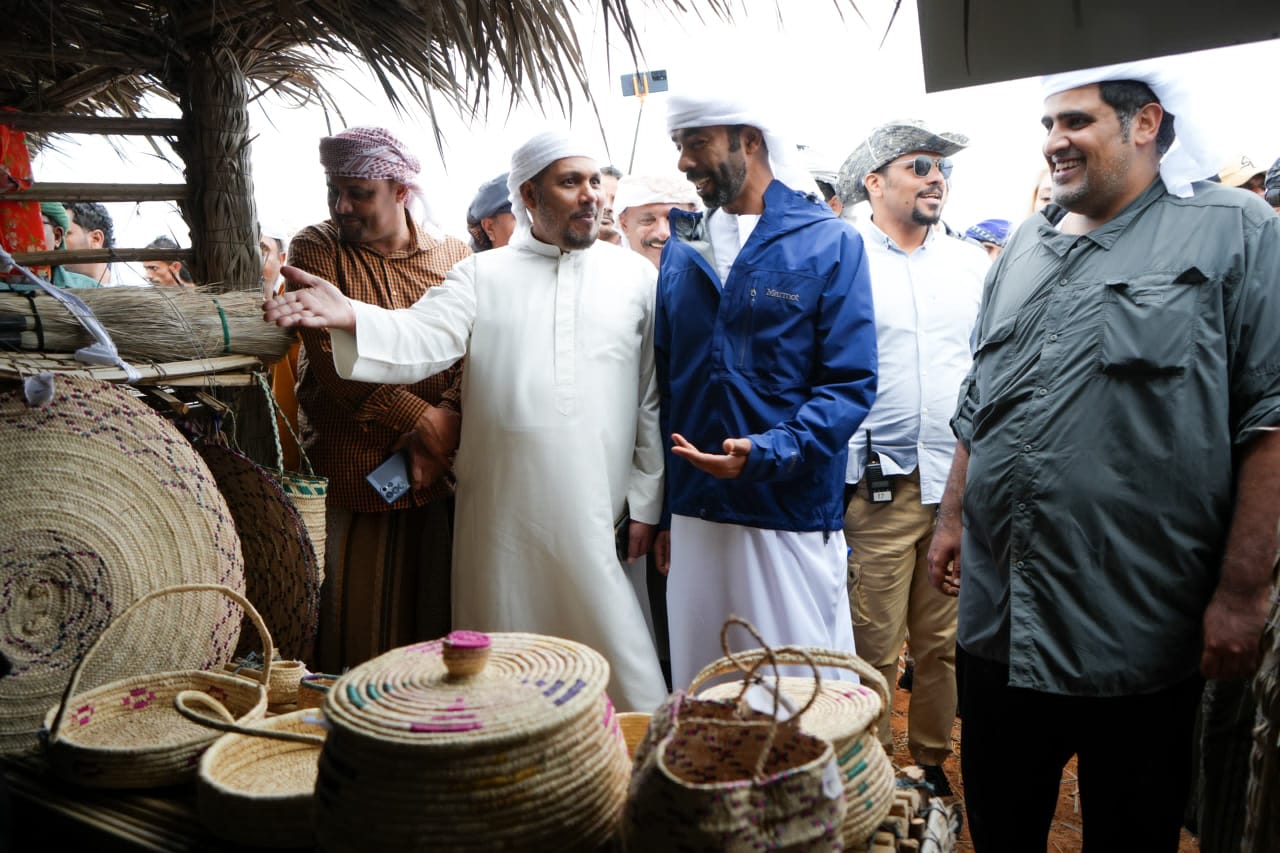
(35, 314)
(226, 330)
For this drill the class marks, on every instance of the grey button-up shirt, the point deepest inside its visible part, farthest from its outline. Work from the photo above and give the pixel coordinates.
(1116, 377)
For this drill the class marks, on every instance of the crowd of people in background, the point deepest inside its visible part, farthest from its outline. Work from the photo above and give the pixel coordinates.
(1040, 460)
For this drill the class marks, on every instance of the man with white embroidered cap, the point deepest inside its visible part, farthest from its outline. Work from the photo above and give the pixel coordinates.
(642, 204)
(1116, 472)
(560, 433)
(766, 363)
(926, 288)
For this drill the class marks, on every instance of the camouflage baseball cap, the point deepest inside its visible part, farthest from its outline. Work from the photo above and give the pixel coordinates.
(888, 142)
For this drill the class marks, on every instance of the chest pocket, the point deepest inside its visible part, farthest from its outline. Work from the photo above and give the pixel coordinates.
(775, 330)
(1149, 322)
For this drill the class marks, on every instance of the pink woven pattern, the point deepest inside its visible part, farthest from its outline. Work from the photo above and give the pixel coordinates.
(369, 153)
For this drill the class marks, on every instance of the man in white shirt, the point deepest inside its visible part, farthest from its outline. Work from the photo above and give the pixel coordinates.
(561, 426)
(926, 288)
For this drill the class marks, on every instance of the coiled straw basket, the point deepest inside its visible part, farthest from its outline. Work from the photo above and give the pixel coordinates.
(474, 742)
(256, 784)
(128, 733)
(843, 713)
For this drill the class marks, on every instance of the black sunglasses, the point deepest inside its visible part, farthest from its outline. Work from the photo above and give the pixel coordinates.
(923, 165)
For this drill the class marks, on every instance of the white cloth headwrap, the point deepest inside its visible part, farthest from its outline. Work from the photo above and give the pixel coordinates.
(1194, 155)
(639, 190)
(534, 156)
(685, 111)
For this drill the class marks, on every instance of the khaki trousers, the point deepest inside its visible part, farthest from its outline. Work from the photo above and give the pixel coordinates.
(889, 596)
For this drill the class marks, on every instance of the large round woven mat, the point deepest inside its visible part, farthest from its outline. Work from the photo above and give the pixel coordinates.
(102, 501)
(281, 575)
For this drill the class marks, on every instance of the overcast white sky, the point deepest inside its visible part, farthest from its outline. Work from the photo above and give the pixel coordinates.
(828, 79)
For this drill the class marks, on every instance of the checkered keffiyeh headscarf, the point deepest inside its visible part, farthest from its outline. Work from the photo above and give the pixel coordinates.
(369, 153)
(375, 154)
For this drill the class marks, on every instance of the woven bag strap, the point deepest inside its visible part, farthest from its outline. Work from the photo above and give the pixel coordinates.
(268, 649)
(277, 414)
(183, 702)
(754, 658)
(766, 654)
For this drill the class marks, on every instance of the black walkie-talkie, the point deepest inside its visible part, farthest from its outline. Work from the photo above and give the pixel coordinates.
(879, 487)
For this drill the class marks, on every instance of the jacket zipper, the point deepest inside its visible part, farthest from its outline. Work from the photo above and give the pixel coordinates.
(751, 322)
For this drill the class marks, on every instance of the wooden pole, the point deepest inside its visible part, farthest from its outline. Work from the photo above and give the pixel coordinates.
(221, 210)
(59, 257)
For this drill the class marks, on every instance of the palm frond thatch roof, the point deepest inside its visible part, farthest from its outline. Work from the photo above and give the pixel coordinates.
(103, 57)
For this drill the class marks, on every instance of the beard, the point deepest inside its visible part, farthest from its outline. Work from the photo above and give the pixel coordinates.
(726, 182)
(919, 217)
(579, 240)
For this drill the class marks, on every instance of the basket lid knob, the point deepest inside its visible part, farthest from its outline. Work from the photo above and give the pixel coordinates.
(465, 653)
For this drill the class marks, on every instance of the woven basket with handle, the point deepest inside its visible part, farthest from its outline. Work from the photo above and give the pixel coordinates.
(256, 784)
(128, 733)
(714, 775)
(307, 490)
(843, 713)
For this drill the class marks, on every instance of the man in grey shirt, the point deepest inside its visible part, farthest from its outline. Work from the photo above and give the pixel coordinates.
(1115, 488)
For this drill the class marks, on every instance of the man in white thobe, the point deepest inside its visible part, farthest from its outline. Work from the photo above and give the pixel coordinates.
(560, 428)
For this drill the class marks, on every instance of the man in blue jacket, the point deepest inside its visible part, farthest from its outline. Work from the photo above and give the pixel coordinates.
(766, 355)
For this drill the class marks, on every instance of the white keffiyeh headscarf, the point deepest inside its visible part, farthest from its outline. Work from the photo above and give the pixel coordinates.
(534, 156)
(707, 110)
(1194, 155)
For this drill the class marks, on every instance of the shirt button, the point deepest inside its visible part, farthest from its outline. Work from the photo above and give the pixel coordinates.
(1018, 564)
(1026, 448)
(1042, 391)
(1021, 506)
(1053, 337)
(1062, 281)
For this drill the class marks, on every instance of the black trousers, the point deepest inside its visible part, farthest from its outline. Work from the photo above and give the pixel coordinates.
(1134, 764)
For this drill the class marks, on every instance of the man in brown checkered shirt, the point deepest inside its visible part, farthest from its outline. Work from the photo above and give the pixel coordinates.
(388, 565)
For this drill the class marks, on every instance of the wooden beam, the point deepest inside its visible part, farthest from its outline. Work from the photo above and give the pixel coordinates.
(67, 55)
(98, 256)
(71, 192)
(62, 123)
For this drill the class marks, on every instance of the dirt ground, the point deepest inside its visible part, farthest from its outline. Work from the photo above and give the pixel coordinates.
(1064, 835)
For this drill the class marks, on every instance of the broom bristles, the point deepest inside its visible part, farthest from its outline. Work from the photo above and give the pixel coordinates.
(155, 323)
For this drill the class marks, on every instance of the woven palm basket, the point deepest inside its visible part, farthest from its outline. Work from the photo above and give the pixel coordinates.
(257, 790)
(102, 501)
(843, 713)
(128, 733)
(473, 743)
(282, 577)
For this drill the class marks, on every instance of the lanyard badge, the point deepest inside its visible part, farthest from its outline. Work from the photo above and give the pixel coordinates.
(879, 487)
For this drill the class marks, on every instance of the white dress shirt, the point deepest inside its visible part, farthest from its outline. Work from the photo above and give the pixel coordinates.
(926, 305)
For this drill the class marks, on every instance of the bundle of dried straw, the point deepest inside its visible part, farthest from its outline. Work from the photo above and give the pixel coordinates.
(147, 323)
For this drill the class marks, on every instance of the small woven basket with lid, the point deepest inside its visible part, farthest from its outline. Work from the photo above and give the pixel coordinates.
(128, 733)
(474, 742)
(843, 713)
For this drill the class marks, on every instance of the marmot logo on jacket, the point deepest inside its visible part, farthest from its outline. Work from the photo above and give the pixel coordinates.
(778, 294)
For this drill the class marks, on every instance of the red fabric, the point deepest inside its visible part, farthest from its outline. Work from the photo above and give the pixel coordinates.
(21, 227)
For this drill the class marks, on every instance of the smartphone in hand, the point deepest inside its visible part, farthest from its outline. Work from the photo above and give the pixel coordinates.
(391, 478)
